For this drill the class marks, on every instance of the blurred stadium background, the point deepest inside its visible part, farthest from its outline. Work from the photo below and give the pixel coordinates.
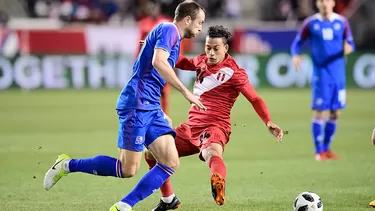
(63, 63)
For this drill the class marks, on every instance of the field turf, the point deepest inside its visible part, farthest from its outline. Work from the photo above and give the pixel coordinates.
(37, 126)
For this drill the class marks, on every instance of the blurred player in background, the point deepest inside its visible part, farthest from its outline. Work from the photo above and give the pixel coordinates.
(141, 120)
(146, 24)
(330, 39)
(218, 84)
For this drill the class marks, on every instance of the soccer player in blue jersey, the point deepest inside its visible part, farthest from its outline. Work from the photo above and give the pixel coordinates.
(330, 39)
(141, 120)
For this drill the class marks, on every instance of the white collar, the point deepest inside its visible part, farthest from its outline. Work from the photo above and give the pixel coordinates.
(333, 17)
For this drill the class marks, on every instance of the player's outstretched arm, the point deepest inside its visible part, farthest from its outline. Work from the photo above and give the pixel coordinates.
(260, 107)
(349, 46)
(161, 64)
(295, 48)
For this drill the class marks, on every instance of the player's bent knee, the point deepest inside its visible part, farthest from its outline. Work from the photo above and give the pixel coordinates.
(173, 163)
(334, 114)
(165, 152)
(319, 114)
(213, 150)
(130, 171)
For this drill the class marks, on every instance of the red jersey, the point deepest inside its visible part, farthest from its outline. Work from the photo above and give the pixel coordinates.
(217, 87)
(148, 23)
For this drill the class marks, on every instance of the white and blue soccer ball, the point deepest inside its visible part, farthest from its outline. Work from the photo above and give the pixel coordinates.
(308, 201)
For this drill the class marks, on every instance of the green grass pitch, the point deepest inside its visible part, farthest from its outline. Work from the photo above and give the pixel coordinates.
(262, 176)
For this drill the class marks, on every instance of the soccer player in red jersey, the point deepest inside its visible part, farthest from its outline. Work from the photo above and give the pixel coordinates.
(218, 84)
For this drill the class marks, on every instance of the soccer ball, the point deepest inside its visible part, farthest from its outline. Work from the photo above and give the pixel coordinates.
(308, 201)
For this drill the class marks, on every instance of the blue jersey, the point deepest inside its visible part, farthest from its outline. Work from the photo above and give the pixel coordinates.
(326, 37)
(143, 91)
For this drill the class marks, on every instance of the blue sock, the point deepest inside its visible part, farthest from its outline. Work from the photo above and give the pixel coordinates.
(101, 165)
(317, 133)
(329, 132)
(148, 184)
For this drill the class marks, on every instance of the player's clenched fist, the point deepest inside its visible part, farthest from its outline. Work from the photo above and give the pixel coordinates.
(276, 131)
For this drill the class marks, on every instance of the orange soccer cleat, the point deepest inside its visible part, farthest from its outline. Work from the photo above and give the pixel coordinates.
(321, 156)
(218, 189)
(331, 155)
(372, 204)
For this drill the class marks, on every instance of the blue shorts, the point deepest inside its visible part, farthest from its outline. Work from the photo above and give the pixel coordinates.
(328, 97)
(138, 128)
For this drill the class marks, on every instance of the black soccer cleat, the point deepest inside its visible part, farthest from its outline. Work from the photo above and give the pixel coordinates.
(162, 206)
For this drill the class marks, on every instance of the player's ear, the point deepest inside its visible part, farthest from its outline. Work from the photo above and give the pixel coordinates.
(226, 47)
(188, 20)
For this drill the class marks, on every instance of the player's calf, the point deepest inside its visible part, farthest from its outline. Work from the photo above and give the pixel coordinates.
(317, 127)
(329, 133)
(168, 201)
(163, 149)
(213, 156)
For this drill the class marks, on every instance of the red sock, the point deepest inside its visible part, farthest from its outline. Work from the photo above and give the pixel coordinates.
(151, 163)
(166, 189)
(217, 165)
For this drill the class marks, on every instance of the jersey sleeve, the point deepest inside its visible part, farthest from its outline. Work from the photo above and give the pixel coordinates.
(167, 37)
(257, 102)
(242, 84)
(240, 79)
(348, 33)
(302, 35)
(185, 63)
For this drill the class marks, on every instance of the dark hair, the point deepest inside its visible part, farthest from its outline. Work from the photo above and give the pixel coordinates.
(219, 31)
(187, 8)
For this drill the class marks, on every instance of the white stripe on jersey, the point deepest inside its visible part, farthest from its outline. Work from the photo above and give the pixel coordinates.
(212, 81)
